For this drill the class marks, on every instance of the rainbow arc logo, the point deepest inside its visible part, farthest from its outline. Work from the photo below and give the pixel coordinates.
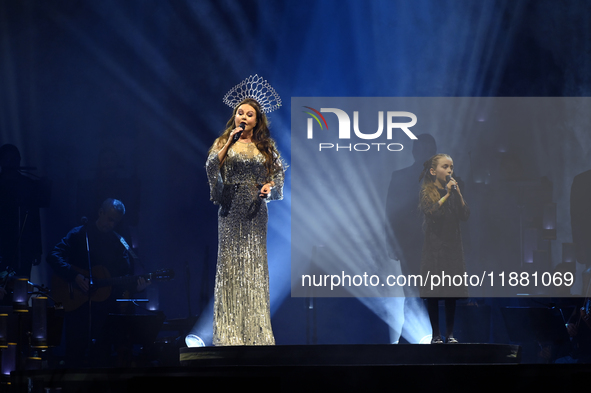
(316, 117)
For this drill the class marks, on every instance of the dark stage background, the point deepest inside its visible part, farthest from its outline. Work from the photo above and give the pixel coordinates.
(127, 95)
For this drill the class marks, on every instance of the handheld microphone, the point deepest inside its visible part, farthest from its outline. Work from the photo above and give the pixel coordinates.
(84, 220)
(239, 133)
(448, 179)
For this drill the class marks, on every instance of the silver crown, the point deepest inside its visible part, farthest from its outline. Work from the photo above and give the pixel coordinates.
(257, 88)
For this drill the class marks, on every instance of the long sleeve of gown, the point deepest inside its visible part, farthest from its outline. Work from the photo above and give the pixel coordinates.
(278, 178)
(214, 177)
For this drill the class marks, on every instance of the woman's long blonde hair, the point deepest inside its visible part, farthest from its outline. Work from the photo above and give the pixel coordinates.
(261, 136)
(429, 194)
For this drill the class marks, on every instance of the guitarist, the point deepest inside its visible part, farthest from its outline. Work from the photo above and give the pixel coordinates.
(95, 245)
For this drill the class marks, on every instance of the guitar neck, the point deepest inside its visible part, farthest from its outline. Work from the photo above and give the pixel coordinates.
(119, 281)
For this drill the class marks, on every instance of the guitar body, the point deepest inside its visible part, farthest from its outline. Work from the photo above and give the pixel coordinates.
(72, 297)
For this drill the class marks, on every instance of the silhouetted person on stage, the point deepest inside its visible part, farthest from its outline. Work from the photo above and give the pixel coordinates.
(20, 227)
(403, 222)
(578, 327)
(580, 216)
(98, 245)
(499, 235)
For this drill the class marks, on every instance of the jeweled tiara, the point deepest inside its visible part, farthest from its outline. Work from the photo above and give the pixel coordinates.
(256, 88)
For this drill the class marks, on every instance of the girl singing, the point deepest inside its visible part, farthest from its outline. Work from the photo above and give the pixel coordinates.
(444, 207)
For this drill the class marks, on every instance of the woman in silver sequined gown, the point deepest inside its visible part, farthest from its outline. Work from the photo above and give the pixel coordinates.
(243, 176)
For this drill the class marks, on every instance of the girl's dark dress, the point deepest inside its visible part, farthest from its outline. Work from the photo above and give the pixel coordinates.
(442, 250)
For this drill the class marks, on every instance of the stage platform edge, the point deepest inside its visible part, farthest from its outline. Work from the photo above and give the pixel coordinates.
(351, 355)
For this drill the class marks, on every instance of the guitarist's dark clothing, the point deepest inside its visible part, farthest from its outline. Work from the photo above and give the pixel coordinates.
(107, 251)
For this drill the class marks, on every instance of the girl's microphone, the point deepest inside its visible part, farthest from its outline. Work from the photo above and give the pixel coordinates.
(448, 179)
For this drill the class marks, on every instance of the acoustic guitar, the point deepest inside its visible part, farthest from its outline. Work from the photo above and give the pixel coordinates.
(72, 297)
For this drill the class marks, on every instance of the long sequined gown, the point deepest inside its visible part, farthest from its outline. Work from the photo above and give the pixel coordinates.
(241, 299)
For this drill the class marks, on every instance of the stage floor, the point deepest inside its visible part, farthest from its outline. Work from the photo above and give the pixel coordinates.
(321, 368)
(351, 355)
